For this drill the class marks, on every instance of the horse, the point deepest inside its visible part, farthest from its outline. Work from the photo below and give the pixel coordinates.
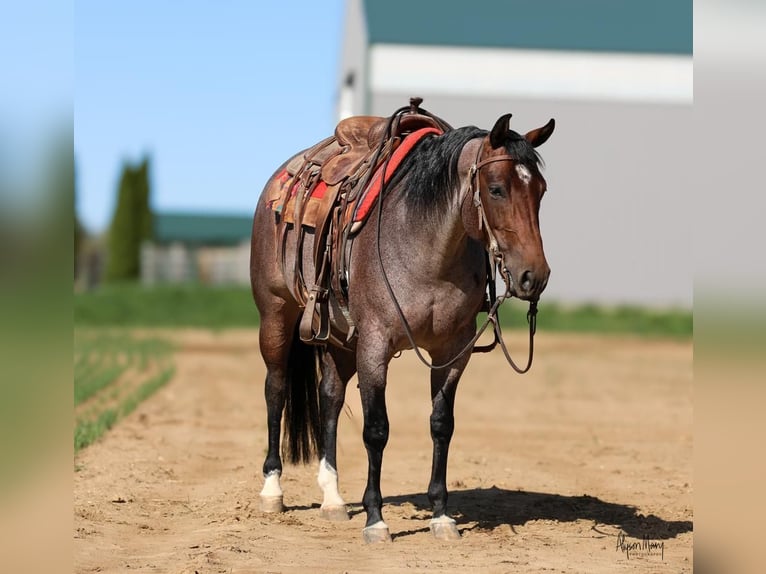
(417, 277)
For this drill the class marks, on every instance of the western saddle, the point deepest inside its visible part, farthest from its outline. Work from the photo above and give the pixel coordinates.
(320, 191)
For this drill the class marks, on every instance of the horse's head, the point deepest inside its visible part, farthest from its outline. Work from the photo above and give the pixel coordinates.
(510, 187)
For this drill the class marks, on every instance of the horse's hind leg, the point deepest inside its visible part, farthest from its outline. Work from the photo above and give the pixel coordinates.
(338, 367)
(443, 387)
(276, 333)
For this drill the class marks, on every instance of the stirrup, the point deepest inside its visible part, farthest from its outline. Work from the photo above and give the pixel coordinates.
(315, 323)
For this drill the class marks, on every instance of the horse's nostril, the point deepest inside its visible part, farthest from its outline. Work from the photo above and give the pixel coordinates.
(526, 280)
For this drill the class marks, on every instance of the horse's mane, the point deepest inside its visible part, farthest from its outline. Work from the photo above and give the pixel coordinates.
(429, 172)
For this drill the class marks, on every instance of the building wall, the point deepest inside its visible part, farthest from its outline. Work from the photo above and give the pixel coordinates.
(352, 98)
(183, 263)
(616, 220)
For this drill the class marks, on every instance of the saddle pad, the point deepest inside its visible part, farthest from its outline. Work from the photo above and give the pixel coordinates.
(364, 205)
(285, 179)
(373, 190)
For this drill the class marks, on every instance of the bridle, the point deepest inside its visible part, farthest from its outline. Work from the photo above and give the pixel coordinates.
(495, 260)
(493, 250)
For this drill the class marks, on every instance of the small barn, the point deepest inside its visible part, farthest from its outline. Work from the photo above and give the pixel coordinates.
(212, 249)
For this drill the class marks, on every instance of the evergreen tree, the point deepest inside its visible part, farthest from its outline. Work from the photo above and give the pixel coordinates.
(131, 224)
(143, 210)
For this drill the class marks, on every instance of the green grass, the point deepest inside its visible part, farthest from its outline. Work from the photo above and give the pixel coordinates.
(625, 319)
(129, 305)
(101, 358)
(197, 306)
(89, 430)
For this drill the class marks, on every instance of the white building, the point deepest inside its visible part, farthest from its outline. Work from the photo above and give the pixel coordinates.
(618, 78)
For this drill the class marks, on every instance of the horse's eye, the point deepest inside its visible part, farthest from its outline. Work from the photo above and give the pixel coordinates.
(496, 191)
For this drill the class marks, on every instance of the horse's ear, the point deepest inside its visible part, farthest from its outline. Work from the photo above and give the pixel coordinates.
(500, 132)
(540, 135)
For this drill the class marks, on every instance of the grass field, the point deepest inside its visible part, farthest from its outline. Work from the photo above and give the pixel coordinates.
(130, 305)
(195, 306)
(113, 373)
(591, 318)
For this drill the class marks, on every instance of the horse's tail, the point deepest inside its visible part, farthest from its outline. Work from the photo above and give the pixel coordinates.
(302, 426)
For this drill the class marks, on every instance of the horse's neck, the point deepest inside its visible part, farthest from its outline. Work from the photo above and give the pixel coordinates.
(458, 231)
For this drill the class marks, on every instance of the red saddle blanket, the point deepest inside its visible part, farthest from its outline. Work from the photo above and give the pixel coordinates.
(368, 196)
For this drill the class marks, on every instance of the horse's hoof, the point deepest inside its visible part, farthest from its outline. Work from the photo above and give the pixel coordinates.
(378, 532)
(272, 504)
(444, 528)
(334, 513)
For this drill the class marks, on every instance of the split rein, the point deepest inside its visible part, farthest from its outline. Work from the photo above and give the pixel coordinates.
(496, 261)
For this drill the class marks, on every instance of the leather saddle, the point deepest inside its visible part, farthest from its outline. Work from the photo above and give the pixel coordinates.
(360, 136)
(323, 187)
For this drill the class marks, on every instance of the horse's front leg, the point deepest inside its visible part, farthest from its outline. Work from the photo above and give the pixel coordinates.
(443, 387)
(372, 364)
(338, 367)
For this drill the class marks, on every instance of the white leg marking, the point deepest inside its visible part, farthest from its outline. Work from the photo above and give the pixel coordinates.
(328, 482)
(444, 528)
(271, 486)
(379, 524)
(524, 174)
(443, 519)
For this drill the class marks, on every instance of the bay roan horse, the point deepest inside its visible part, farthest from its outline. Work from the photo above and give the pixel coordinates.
(452, 196)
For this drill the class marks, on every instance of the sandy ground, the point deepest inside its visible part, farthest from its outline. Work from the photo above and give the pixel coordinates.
(573, 467)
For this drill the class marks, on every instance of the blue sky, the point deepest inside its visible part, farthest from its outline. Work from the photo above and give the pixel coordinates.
(217, 93)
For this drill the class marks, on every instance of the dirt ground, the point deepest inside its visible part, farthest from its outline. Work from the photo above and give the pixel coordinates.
(582, 465)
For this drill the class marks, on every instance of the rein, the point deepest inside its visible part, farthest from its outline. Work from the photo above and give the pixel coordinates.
(496, 261)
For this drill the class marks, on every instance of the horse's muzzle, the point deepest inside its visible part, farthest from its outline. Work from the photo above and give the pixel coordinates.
(530, 283)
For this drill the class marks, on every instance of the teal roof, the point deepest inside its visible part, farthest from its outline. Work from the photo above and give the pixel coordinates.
(202, 228)
(643, 26)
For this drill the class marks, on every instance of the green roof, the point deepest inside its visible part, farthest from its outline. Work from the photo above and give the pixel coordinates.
(201, 228)
(643, 26)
